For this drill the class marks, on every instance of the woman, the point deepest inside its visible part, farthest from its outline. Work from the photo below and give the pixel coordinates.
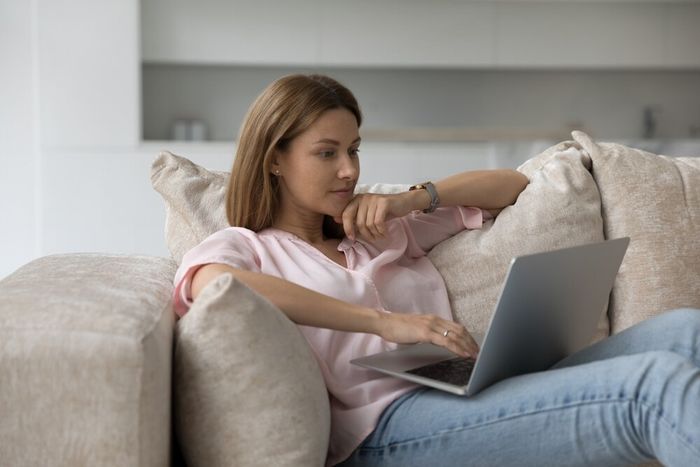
(351, 271)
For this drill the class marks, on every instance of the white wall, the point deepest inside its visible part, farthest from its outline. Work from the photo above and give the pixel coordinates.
(70, 129)
(18, 135)
(88, 73)
(427, 33)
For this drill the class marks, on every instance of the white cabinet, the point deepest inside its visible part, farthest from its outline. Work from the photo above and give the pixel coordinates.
(437, 70)
(410, 33)
(580, 35)
(230, 32)
(683, 36)
(406, 33)
(595, 35)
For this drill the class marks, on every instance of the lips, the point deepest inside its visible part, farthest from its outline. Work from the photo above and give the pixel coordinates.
(345, 192)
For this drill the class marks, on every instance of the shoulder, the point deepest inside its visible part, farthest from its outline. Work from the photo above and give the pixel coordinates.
(224, 241)
(233, 234)
(239, 238)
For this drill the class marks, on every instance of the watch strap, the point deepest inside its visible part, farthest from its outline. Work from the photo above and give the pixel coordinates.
(430, 188)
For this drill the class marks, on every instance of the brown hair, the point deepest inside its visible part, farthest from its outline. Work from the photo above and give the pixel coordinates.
(284, 109)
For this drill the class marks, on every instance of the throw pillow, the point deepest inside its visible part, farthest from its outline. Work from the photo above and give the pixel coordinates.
(559, 208)
(655, 200)
(194, 197)
(247, 389)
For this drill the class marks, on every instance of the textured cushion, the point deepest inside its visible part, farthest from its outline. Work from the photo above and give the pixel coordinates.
(655, 200)
(559, 208)
(195, 201)
(247, 389)
(85, 358)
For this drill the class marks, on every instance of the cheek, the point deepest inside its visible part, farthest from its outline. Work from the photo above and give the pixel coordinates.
(306, 186)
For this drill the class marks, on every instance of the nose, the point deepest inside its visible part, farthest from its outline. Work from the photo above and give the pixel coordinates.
(348, 168)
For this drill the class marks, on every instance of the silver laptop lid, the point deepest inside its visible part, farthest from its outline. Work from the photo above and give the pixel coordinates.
(556, 299)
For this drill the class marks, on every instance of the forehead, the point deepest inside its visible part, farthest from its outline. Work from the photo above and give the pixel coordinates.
(334, 123)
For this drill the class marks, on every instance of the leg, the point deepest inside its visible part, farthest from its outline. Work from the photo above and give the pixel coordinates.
(617, 411)
(677, 331)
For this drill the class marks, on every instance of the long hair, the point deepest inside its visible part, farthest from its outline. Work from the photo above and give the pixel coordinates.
(285, 109)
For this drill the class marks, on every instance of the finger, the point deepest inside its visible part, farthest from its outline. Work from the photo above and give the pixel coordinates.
(361, 220)
(371, 211)
(454, 345)
(349, 219)
(463, 336)
(379, 218)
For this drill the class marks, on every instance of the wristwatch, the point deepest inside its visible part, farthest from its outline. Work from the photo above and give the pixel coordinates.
(430, 188)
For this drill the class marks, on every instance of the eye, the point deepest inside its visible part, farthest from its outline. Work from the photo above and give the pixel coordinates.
(355, 152)
(326, 154)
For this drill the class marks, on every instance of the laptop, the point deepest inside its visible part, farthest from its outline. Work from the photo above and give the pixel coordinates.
(549, 307)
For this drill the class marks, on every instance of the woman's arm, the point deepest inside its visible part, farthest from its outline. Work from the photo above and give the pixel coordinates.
(486, 189)
(309, 308)
(491, 190)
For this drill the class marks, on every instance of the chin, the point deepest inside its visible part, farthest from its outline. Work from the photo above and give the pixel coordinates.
(336, 209)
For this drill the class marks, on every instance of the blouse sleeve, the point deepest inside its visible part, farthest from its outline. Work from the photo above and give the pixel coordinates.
(229, 246)
(425, 230)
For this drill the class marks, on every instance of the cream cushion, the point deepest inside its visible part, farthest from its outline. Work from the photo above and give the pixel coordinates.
(559, 208)
(247, 389)
(85, 358)
(195, 200)
(655, 200)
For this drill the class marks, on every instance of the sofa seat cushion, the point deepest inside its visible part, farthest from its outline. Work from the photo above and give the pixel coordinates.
(654, 200)
(85, 358)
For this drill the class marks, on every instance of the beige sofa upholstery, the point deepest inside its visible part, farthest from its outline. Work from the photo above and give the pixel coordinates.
(91, 359)
(85, 358)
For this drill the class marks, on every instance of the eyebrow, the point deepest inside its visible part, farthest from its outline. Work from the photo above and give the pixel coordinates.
(332, 141)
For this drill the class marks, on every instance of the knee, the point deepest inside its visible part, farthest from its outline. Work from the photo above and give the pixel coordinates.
(658, 366)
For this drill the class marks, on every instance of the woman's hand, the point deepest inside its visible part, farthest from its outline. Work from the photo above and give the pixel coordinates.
(404, 328)
(367, 213)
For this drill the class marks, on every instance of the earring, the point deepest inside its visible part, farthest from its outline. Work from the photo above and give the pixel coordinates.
(277, 172)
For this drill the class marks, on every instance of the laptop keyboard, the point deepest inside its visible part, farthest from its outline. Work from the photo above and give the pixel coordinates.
(454, 371)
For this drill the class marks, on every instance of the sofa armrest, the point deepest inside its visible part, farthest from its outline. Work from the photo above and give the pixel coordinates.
(85, 361)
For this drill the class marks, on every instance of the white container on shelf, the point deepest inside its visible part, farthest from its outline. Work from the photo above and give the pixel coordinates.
(198, 130)
(180, 130)
(187, 129)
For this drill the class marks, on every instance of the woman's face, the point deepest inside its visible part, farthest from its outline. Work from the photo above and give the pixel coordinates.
(320, 168)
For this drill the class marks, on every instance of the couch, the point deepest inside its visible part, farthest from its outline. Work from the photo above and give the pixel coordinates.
(95, 370)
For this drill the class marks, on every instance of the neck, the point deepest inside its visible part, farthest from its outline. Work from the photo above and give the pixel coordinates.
(309, 228)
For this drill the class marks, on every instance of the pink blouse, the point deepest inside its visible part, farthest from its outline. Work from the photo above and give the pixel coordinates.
(392, 275)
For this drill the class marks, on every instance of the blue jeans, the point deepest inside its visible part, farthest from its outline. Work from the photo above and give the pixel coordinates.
(630, 398)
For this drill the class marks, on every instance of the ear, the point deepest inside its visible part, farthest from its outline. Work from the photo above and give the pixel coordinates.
(275, 162)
